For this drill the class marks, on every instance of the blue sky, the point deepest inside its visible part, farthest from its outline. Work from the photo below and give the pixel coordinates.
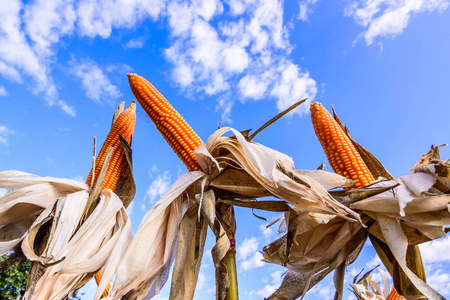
(383, 64)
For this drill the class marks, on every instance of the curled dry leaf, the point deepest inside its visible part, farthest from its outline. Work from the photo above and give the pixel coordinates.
(31, 195)
(73, 253)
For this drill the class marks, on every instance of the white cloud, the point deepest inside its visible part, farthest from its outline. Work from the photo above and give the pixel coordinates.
(440, 281)
(246, 55)
(3, 91)
(436, 251)
(305, 7)
(224, 105)
(130, 208)
(79, 178)
(135, 43)
(98, 17)
(70, 110)
(17, 56)
(201, 281)
(247, 247)
(237, 47)
(46, 21)
(270, 288)
(388, 18)
(96, 84)
(253, 87)
(294, 86)
(249, 255)
(325, 292)
(159, 186)
(254, 261)
(4, 133)
(266, 231)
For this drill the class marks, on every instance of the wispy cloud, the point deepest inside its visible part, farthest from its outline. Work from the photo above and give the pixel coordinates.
(158, 187)
(98, 17)
(135, 43)
(96, 84)
(440, 280)
(270, 288)
(249, 255)
(306, 8)
(4, 133)
(130, 208)
(247, 54)
(267, 232)
(216, 47)
(27, 34)
(3, 91)
(322, 291)
(383, 18)
(436, 251)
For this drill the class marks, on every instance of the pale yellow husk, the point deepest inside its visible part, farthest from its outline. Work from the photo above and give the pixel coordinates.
(31, 195)
(72, 253)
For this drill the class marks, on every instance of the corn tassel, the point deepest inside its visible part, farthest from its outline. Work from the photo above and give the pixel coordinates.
(342, 155)
(175, 130)
(124, 125)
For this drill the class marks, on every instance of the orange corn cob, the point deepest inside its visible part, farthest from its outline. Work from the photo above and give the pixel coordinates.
(342, 155)
(124, 125)
(97, 277)
(178, 134)
(394, 295)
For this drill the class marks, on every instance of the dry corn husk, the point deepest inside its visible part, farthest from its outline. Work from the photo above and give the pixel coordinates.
(144, 268)
(141, 274)
(72, 254)
(323, 234)
(412, 211)
(31, 195)
(365, 288)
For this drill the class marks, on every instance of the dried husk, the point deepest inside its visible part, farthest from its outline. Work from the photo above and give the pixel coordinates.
(323, 234)
(71, 253)
(223, 159)
(31, 195)
(142, 273)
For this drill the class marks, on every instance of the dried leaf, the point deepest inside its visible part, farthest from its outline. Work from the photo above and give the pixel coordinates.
(19, 208)
(71, 254)
(140, 273)
(398, 243)
(328, 180)
(240, 182)
(431, 157)
(126, 187)
(191, 242)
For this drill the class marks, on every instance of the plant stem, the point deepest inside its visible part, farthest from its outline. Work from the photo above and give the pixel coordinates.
(230, 262)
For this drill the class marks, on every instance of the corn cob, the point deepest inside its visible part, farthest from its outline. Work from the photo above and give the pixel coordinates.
(124, 125)
(394, 295)
(98, 277)
(342, 155)
(175, 130)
